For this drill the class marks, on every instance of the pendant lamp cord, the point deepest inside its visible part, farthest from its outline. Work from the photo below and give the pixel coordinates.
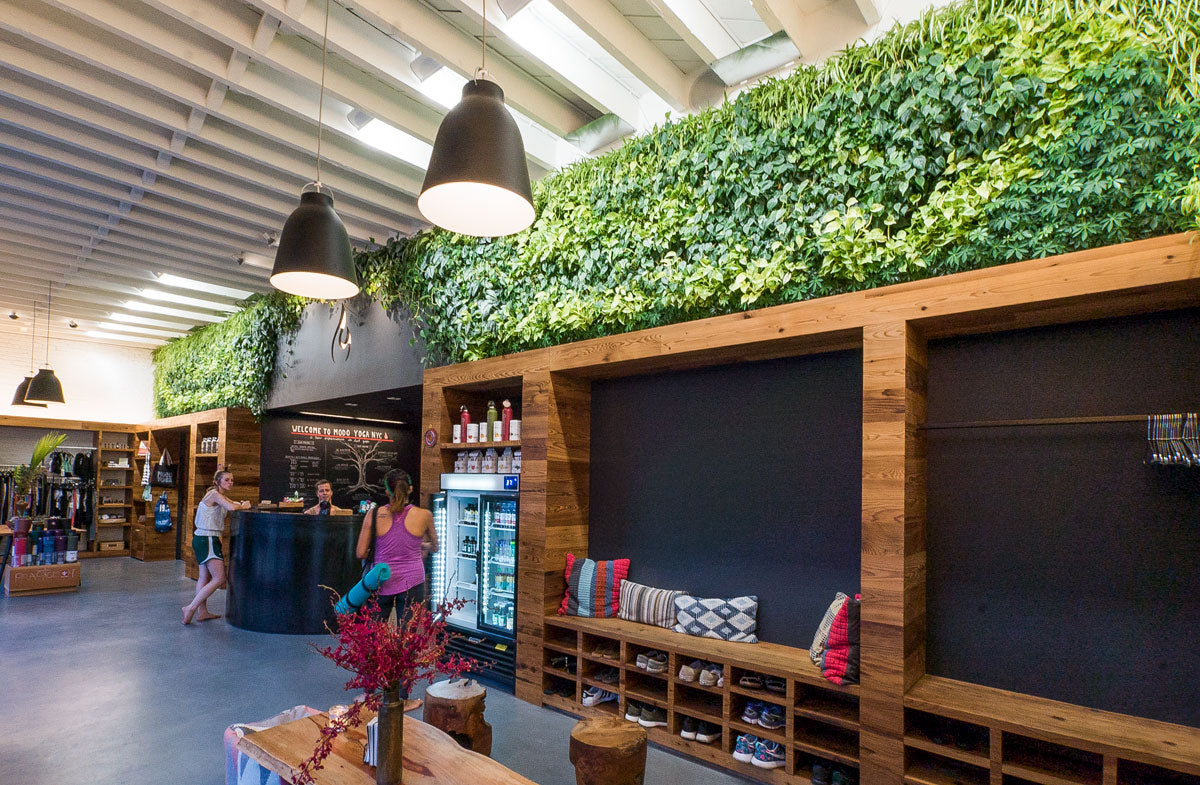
(483, 42)
(33, 340)
(321, 103)
(49, 294)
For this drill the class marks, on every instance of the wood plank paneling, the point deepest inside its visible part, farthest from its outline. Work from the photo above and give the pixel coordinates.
(892, 325)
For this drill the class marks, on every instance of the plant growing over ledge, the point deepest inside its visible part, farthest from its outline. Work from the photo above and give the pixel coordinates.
(386, 659)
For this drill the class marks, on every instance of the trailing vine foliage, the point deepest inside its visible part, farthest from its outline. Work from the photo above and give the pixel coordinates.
(987, 132)
(227, 364)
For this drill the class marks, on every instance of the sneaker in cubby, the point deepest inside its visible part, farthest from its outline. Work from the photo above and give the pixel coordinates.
(768, 755)
(744, 747)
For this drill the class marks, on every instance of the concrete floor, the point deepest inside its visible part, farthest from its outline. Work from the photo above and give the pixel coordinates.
(107, 686)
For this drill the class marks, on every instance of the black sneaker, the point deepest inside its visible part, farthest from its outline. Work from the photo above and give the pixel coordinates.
(652, 717)
(821, 772)
(707, 733)
(689, 728)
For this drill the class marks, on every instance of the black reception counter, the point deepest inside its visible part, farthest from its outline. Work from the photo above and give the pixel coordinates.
(278, 563)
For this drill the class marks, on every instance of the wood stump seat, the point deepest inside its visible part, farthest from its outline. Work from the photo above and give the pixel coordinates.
(456, 707)
(608, 751)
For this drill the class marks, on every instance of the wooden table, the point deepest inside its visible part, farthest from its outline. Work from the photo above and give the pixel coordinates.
(431, 757)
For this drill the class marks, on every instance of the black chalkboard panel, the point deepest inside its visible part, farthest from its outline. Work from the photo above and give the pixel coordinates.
(354, 457)
(1059, 564)
(733, 480)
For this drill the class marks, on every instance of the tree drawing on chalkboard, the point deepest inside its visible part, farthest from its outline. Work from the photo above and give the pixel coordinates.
(363, 455)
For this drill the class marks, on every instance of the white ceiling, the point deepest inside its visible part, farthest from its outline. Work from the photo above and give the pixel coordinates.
(142, 137)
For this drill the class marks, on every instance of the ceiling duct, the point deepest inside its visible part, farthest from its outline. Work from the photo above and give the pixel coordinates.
(769, 54)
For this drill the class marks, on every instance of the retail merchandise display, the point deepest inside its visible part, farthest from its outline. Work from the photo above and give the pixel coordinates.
(497, 425)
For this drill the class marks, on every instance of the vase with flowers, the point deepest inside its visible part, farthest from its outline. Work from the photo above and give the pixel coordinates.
(387, 662)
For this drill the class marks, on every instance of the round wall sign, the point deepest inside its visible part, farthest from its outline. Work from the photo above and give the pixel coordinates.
(430, 437)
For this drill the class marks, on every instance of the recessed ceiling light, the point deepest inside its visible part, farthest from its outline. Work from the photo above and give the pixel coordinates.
(13, 315)
(72, 324)
(256, 260)
(393, 398)
(352, 404)
(194, 302)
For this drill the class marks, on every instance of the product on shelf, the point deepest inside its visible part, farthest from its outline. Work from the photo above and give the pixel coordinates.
(490, 433)
(506, 415)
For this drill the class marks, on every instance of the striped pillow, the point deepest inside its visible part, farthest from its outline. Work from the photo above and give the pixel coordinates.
(648, 605)
(593, 587)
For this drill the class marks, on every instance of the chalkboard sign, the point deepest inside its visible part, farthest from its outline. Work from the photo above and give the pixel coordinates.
(354, 457)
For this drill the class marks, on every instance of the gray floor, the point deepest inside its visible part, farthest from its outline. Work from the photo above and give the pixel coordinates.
(107, 686)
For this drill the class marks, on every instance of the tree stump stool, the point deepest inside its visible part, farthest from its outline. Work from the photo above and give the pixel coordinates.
(456, 707)
(608, 751)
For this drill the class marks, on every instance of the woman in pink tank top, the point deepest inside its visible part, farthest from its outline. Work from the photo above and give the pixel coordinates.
(403, 534)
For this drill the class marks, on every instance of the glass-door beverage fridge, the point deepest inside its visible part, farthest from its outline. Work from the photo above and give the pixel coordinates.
(477, 516)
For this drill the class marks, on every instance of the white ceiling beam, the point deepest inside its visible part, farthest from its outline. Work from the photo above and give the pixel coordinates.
(422, 28)
(289, 55)
(234, 179)
(148, 211)
(818, 28)
(871, 10)
(141, 67)
(705, 23)
(609, 28)
(61, 332)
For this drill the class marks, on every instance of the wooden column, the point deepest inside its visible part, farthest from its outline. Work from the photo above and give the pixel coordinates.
(555, 451)
(893, 541)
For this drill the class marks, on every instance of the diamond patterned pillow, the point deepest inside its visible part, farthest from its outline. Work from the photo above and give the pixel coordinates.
(734, 619)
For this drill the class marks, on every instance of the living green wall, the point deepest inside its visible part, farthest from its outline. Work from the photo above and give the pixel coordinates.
(988, 132)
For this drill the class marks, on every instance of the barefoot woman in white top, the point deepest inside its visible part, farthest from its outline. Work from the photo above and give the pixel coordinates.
(206, 542)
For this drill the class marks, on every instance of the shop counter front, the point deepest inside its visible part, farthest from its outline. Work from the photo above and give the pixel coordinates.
(279, 562)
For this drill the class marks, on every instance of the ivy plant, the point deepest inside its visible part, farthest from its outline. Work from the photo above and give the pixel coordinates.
(987, 132)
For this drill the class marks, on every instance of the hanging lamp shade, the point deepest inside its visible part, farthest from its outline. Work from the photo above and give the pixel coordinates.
(19, 395)
(477, 182)
(44, 388)
(314, 257)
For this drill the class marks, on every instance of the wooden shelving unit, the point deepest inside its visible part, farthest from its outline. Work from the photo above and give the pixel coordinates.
(821, 717)
(113, 446)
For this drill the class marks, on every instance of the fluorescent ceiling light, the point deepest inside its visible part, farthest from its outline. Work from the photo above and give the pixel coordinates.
(119, 316)
(395, 142)
(705, 25)
(137, 305)
(444, 86)
(546, 34)
(131, 328)
(131, 338)
(179, 282)
(195, 302)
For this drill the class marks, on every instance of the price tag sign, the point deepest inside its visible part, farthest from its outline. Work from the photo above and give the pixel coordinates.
(501, 647)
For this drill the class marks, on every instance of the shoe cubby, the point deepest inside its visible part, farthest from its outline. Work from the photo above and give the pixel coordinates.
(1133, 773)
(736, 676)
(560, 638)
(1046, 762)
(962, 741)
(924, 768)
(828, 706)
(807, 766)
(645, 687)
(601, 674)
(559, 664)
(825, 741)
(819, 719)
(699, 703)
(560, 686)
(601, 649)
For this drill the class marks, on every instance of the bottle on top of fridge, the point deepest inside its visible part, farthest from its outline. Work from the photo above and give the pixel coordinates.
(506, 415)
(489, 461)
(492, 416)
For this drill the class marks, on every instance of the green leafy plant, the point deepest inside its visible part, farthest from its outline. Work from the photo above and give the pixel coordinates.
(987, 132)
(24, 476)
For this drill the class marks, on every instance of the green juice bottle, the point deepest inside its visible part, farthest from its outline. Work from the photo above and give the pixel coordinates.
(493, 435)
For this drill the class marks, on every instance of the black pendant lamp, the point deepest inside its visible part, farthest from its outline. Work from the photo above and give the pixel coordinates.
(314, 257)
(45, 387)
(477, 182)
(23, 387)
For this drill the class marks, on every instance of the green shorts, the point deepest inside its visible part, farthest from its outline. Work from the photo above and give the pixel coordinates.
(207, 548)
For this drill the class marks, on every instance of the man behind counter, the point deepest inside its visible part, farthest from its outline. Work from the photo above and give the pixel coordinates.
(325, 505)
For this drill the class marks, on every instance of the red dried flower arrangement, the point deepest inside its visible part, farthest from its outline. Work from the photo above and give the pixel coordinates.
(385, 657)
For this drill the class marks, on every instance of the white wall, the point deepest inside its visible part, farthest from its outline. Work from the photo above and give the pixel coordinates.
(100, 381)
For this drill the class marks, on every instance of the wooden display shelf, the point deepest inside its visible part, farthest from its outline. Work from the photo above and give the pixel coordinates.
(116, 449)
(479, 445)
(759, 695)
(1158, 743)
(774, 734)
(208, 455)
(696, 685)
(102, 554)
(1053, 772)
(115, 488)
(833, 712)
(560, 648)
(929, 773)
(559, 673)
(122, 504)
(833, 746)
(645, 696)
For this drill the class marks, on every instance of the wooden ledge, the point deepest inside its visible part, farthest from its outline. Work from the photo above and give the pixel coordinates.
(770, 658)
(1132, 738)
